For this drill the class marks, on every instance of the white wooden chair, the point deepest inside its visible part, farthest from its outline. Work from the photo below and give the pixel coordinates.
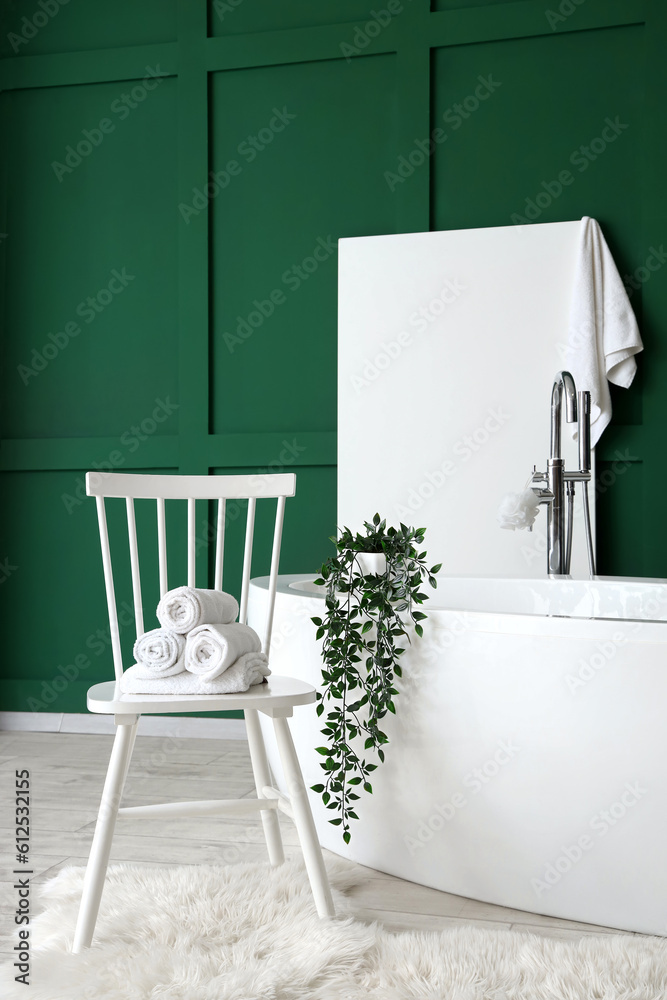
(275, 698)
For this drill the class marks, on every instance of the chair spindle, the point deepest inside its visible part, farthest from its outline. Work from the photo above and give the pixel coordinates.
(191, 543)
(108, 583)
(162, 545)
(247, 559)
(273, 578)
(134, 560)
(220, 544)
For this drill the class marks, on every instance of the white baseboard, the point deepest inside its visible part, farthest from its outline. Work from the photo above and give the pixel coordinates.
(31, 722)
(149, 725)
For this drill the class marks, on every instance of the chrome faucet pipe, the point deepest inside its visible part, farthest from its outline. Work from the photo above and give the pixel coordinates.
(563, 383)
(556, 518)
(557, 550)
(559, 482)
(584, 434)
(570, 525)
(589, 533)
(584, 431)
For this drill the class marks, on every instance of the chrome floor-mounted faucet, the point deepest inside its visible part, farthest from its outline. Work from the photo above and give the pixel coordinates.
(560, 484)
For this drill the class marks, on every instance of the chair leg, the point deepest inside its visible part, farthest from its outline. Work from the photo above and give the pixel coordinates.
(260, 769)
(130, 751)
(96, 868)
(303, 818)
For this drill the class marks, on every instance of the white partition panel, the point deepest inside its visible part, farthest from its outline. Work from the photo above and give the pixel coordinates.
(448, 347)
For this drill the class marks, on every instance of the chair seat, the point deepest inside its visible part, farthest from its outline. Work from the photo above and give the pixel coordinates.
(276, 696)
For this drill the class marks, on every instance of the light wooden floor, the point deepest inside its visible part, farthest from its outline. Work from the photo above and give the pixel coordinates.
(67, 773)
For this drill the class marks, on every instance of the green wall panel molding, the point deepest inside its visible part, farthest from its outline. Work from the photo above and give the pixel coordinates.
(278, 158)
(624, 441)
(101, 241)
(276, 451)
(440, 5)
(55, 541)
(233, 17)
(88, 67)
(654, 293)
(57, 546)
(303, 45)
(528, 18)
(615, 494)
(525, 90)
(413, 200)
(139, 447)
(249, 379)
(32, 28)
(192, 240)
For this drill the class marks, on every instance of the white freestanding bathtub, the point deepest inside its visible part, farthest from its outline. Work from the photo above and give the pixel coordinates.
(527, 763)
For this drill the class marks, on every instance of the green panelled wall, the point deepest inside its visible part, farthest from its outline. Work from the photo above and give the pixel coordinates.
(152, 323)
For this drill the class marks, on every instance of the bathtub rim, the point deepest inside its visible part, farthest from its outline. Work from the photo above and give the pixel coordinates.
(524, 623)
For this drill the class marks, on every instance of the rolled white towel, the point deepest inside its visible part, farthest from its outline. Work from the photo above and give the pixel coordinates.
(185, 608)
(249, 669)
(160, 653)
(210, 650)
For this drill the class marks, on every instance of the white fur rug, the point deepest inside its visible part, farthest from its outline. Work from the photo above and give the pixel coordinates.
(249, 932)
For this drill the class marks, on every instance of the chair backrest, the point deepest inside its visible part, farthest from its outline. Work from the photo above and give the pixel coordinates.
(131, 487)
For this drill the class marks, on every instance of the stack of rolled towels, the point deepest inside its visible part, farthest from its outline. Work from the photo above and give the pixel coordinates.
(200, 648)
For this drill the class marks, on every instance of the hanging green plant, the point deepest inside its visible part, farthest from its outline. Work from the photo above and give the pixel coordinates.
(370, 605)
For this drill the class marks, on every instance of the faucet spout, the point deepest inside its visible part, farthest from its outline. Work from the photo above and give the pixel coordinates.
(563, 383)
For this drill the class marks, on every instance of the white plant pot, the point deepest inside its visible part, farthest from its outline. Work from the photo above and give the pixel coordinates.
(372, 562)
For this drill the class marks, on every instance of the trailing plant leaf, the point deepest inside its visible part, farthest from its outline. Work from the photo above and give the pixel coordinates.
(365, 615)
